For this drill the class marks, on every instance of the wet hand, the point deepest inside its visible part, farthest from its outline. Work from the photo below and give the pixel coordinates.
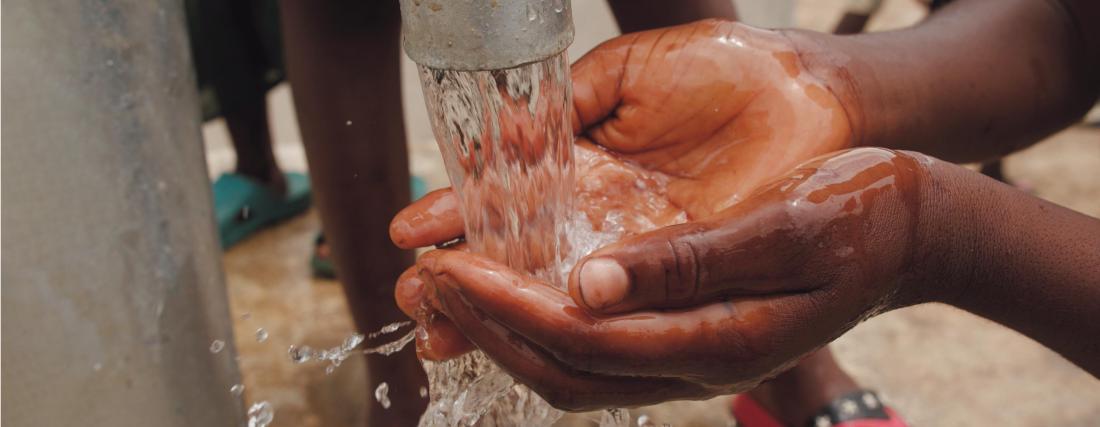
(689, 119)
(717, 107)
(700, 309)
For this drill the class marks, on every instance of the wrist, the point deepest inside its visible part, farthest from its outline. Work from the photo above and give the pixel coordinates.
(1004, 255)
(848, 77)
(949, 233)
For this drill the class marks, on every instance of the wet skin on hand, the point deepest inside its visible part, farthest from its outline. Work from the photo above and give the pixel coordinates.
(745, 114)
(766, 282)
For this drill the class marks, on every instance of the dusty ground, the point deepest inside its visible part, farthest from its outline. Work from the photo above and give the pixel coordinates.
(937, 365)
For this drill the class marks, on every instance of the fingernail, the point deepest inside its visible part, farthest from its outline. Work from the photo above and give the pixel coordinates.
(603, 283)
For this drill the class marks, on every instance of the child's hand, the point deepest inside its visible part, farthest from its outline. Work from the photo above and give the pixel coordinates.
(718, 106)
(695, 310)
(701, 113)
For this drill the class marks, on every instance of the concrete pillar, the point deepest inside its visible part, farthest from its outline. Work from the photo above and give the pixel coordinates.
(112, 283)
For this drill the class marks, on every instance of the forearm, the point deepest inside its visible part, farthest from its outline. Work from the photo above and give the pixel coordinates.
(977, 80)
(1012, 258)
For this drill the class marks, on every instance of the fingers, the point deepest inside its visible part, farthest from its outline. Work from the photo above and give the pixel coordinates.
(439, 339)
(597, 80)
(409, 293)
(431, 220)
(750, 251)
(562, 386)
(689, 343)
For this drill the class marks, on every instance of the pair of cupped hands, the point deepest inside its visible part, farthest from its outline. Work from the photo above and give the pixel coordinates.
(782, 252)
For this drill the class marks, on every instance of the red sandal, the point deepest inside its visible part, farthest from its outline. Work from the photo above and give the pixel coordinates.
(857, 409)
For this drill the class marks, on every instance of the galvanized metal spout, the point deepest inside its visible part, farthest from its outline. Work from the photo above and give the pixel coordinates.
(484, 34)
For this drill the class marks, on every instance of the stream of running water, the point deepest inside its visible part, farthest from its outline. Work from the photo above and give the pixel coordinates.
(507, 142)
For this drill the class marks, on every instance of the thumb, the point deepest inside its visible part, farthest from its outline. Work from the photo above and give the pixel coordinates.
(746, 252)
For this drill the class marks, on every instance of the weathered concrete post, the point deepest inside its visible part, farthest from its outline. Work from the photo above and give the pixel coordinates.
(112, 283)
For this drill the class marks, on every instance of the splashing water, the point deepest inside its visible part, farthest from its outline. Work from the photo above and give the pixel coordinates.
(237, 390)
(392, 347)
(260, 414)
(335, 356)
(382, 395)
(389, 329)
(301, 354)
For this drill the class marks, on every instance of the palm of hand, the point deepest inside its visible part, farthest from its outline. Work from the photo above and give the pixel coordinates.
(709, 111)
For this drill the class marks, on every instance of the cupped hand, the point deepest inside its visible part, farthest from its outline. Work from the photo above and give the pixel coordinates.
(699, 309)
(716, 107)
(675, 125)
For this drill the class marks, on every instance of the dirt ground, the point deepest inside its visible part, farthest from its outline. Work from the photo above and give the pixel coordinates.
(937, 365)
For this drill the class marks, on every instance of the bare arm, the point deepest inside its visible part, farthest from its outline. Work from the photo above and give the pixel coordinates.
(1015, 259)
(978, 79)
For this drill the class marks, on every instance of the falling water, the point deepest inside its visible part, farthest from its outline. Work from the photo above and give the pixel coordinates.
(507, 142)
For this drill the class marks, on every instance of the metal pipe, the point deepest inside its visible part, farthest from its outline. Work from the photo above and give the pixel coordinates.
(484, 34)
(112, 281)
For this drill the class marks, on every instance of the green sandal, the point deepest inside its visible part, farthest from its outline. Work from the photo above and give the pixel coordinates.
(243, 206)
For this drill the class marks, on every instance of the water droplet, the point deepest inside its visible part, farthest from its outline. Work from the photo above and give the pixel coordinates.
(260, 414)
(643, 421)
(423, 391)
(382, 395)
(217, 346)
(301, 354)
(389, 329)
(421, 334)
(237, 389)
(347, 123)
(246, 316)
(261, 335)
(559, 5)
(393, 347)
(97, 366)
(352, 341)
(532, 13)
(330, 369)
(392, 327)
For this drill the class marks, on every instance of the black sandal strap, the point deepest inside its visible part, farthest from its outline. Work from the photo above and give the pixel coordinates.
(857, 405)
